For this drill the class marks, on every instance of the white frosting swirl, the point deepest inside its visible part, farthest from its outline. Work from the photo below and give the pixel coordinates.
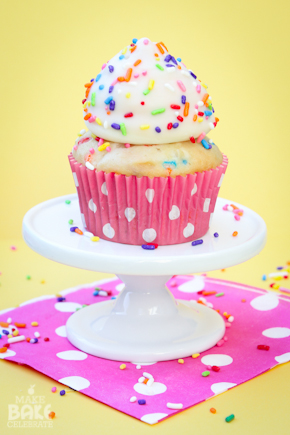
(143, 95)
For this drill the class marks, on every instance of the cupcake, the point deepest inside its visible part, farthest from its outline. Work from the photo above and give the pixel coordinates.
(145, 170)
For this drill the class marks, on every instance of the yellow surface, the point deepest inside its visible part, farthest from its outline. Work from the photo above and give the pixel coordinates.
(49, 49)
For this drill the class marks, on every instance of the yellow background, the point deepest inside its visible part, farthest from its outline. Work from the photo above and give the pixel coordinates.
(49, 49)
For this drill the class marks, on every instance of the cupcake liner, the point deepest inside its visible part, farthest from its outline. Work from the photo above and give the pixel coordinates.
(132, 210)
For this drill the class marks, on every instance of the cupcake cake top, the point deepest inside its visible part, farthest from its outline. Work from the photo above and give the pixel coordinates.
(144, 95)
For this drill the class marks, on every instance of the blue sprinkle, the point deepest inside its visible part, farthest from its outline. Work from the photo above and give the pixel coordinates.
(108, 100)
(207, 113)
(205, 144)
(111, 88)
(4, 331)
(184, 162)
(0, 336)
(134, 40)
(92, 80)
(183, 99)
(172, 163)
(95, 293)
(62, 392)
(112, 105)
(158, 129)
(121, 57)
(175, 125)
(115, 126)
(101, 87)
(264, 277)
(60, 299)
(178, 58)
(111, 68)
(173, 60)
(114, 297)
(72, 229)
(169, 64)
(142, 401)
(279, 267)
(167, 58)
(193, 75)
(34, 340)
(149, 247)
(212, 110)
(98, 77)
(216, 234)
(197, 242)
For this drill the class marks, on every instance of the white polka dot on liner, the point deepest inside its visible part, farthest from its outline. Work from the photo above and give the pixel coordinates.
(206, 205)
(130, 213)
(120, 287)
(76, 382)
(92, 206)
(265, 302)
(174, 213)
(278, 332)
(156, 388)
(72, 355)
(149, 235)
(285, 357)
(194, 285)
(67, 307)
(104, 189)
(188, 230)
(194, 190)
(108, 231)
(150, 195)
(61, 331)
(153, 418)
(220, 387)
(7, 354)
(216, 360)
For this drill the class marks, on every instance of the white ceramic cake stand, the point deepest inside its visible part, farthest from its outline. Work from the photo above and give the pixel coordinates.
(145, 323)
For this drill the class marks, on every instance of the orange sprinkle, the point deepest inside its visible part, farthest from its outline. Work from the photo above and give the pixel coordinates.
(186, 109)
(160, 48)
(77, 230)
(235, 233)
(137, 62)
(243, 300)
(51, 414)
(213, 410)
(216, 119)
(88, 85)
(217, 311)
(20, 325)
(208, 293)
(178, 66)
(240, 213)
(194, 117)
(87, 158)
(28, 339)
(88, 115)
(85, 110)
(133, 48)
(145, 381)
(108, 113)
(3, 349)
(223, 270)
(200, 302)
(234, 207)
(4, 324)
(87, 92)
(156, 55)
(205, 97)
(163, 45)
(121, 79)
(128, 74)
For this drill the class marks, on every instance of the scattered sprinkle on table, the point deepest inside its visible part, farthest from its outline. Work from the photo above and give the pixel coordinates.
(53, 389)
(142, 402)
(213, 410)
(216, 234)
(205, 374)
(229, 418)
(70, 221)
(62, 392)
(95, 239)
(28, 277)
(197, 242)
(51, 414)
(34, 323)
(67, 201)
(235, 233)
(219, 295)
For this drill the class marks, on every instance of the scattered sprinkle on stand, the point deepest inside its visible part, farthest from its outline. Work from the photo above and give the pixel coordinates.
(229, 418)
(213, 410)
(122, 366)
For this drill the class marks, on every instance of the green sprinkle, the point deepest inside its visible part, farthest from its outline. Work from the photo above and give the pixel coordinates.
(205, 374)
(123, 129)
(93, 99)
(98, 288)
(28, 277)
(157, 111)
(67, 201)
(229, 418)
(160, 67)
(70, 221)
(219, 294)
(146, 92)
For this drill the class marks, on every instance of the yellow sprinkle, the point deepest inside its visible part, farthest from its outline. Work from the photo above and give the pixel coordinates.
(128, 95)
(122, 366)
(151, 85)
(98, 121)
(15, 333)
(9, 336)
(79, 135)
(204, 85)
(200, 119)
(89, 103)
(195, 355)
(124, 50)
(95, 239)
(181, 361)
(144, 127)
(276, 286)
(278, 278)
(42, 281)
(104, 146)
(34, 323)
(157, 58)
(58, 295)
(93, 135)
(85, 104)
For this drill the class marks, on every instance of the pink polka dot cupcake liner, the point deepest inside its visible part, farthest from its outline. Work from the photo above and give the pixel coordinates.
(136, 211)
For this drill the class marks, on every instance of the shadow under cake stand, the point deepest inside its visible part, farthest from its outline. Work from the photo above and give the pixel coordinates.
(144, 323)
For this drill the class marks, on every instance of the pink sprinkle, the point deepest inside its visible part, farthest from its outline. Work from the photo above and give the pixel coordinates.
(237, 210)
(53, 389)
(75, 147)
(208, 367)
(127, 145)
(92, 119)
(225, 338)
(144, 73)
(228, 324)
(104, 66)
(83, 140)
(13, 248)
(196, 106)
(101, 141)
(181, 85)
(203, 274)
(108, 149)
(206, 117)
(198, 88)
(284, 289)
(146, 41)
(92, 151)
(220, 343)
(136, 76)
(237, 217)
(114, 82)
(200, 137)
(183, 64)
(225, 207)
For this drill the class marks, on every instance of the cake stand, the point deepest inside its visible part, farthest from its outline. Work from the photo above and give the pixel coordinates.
(144, 323)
